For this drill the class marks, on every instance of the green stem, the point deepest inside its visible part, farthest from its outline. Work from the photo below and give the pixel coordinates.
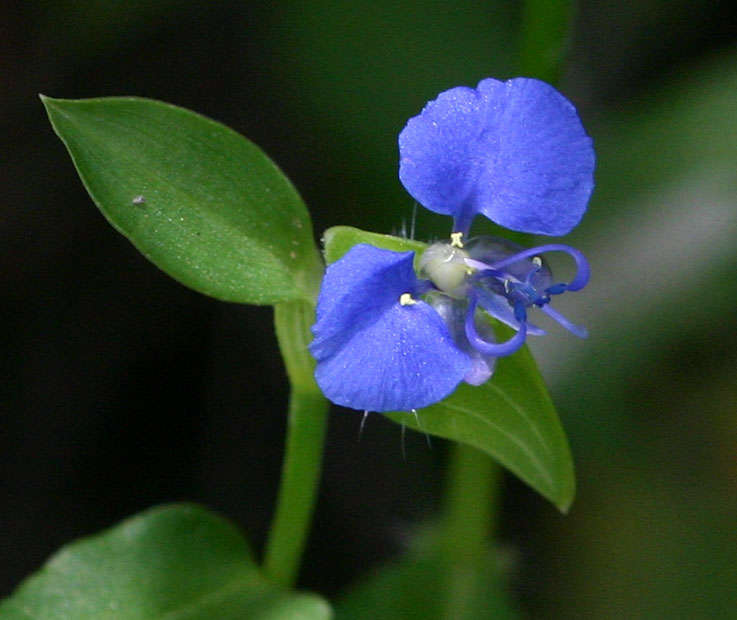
(304, 446)
(469, 521)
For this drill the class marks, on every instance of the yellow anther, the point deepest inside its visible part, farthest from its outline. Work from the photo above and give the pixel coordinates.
(537, 261)
(506, 286)
(405, 299)
(456, 240)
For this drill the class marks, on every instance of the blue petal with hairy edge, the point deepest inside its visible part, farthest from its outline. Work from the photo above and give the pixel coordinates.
(372, 352)
(513, 151)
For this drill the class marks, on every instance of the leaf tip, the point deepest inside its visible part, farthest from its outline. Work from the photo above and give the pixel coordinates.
(564, 500)
(46, 100)
(329, 234)
(565, 506)
(49, 103)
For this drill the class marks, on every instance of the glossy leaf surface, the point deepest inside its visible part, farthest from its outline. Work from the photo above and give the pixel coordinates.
(178, 561)
(196, 198)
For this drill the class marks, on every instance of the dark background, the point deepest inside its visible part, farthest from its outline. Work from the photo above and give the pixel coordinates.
(122, 389)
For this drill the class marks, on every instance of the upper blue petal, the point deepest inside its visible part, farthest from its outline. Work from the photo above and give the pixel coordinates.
(514, 151)
(372, 352)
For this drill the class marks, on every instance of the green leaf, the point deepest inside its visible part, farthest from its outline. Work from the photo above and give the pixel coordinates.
(197, 199)
(175, 562)
(511, 416)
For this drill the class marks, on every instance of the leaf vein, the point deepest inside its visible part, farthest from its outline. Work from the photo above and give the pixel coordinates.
(537, 464)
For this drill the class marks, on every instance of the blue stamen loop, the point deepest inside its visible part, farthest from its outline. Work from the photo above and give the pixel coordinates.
(488, 348)
(582, 265)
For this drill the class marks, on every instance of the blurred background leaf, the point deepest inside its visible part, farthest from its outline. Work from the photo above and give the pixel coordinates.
(654, 387)
(124, 389)
(412, 588)
(169, 561)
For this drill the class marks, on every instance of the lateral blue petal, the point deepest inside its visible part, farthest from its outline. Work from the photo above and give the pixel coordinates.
(372, 352)
(514, 151)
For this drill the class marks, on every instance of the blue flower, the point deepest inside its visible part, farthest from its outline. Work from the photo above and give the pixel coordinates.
(391, 337)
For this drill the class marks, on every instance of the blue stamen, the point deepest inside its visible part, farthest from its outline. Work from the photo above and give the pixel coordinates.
(516, 279)
(520, 312)
(582, 265)
(488, 348)
(577, 330)
(557, 289)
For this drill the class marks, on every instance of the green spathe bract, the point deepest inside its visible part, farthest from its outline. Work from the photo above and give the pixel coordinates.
(196, 198)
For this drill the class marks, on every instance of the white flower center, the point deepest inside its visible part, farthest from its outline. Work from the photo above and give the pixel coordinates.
(445, 265)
